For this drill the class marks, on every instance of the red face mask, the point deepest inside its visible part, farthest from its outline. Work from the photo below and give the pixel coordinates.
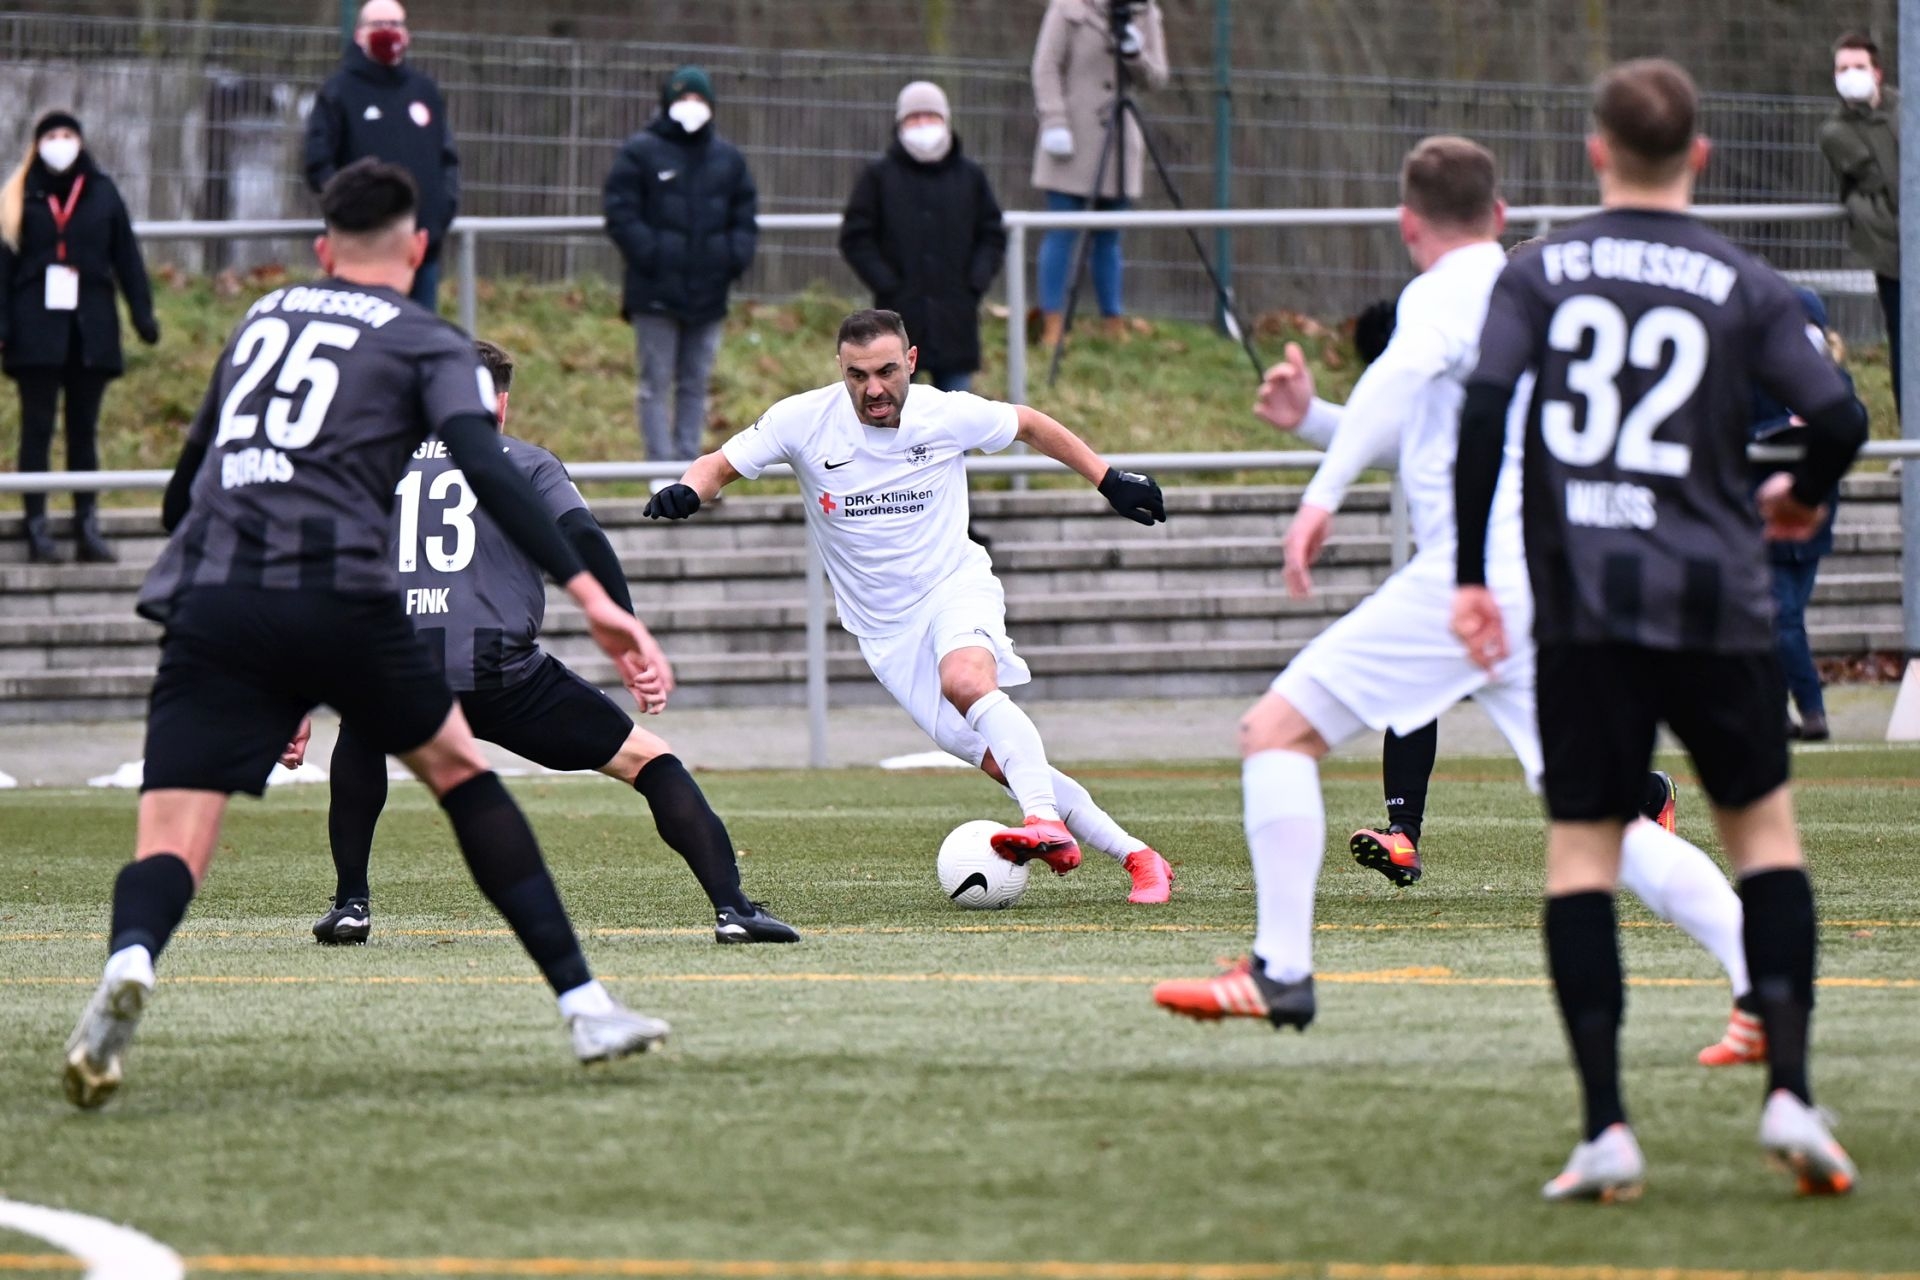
(387, 46)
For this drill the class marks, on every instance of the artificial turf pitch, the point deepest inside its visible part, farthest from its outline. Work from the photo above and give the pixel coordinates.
(915, 1084)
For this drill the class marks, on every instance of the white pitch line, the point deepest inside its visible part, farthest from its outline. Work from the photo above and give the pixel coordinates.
(108, 1251)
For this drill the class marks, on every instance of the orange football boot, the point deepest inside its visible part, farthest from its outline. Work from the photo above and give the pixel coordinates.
(1243, 991)
(1152, 877)
(1391, 852)
(1745, 1041)
(1669, 815)
(1044, 838)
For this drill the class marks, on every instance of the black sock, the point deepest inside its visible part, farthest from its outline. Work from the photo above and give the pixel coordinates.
(692, 829)
(359, 792)
(1656, 798)
(1583, 954)
(150, 900)
(1406, 766)
(1780, 938)
(505, 861)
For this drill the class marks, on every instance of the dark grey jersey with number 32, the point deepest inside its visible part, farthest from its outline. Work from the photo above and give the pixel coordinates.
(477, 599)
(1649, 333)
(321, 396)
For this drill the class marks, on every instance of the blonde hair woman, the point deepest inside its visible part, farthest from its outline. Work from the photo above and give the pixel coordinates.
(65, 242)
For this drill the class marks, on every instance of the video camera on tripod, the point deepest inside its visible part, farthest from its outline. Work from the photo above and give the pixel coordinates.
(1121, 26)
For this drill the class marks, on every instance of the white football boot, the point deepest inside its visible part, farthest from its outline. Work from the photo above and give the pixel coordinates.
(1610, 1169)
(602, 1037)
(97, 1049)
(1795, 1135)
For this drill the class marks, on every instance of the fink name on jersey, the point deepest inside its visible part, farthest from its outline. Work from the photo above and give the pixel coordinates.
(429, 600)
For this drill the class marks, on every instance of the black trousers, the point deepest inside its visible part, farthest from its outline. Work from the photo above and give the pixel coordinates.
(40, 392)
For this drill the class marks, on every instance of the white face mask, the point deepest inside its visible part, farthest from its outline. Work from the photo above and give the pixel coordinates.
(1855, 84)
(690, 114)
(926, 142)
(58, 154)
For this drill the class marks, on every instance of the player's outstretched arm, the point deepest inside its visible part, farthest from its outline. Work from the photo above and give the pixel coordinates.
(702, 482)
(1135, 496)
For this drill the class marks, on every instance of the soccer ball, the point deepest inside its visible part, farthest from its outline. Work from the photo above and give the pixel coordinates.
(975, 877)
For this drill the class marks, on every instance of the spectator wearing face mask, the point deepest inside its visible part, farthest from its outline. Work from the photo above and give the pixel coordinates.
(378, 104)
(1073, 93)
(1861, 140)
(65, 242)
(680, 206)
(922, 230)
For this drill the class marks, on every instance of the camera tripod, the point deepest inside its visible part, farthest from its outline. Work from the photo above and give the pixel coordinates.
(1113, 150)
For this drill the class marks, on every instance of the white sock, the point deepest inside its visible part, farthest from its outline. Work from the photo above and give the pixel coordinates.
(1016, 746)
(1679, 882)
(1287, 836)
(1090, 824)
(134, 962)
(587, 998)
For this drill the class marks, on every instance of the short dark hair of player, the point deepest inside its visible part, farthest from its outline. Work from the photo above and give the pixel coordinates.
(864, 328)
(1646, 110)
(1518, 249)
(1859, 40)
(1452, 182)
(498, 364)
(367, 197)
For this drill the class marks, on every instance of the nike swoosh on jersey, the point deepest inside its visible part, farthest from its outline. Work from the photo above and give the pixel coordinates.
(831, 466)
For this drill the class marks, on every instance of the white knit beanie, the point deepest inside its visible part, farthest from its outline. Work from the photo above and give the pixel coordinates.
(921, 95)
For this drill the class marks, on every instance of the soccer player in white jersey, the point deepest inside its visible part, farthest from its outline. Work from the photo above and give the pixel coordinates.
(881, 465)
(1393, 662)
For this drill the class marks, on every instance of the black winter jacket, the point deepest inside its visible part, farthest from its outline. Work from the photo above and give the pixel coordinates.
(393, 114)
(681, 210)
(101, 247)
(927, 239)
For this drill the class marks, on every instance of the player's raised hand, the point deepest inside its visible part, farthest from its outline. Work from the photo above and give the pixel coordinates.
(296, 753)
(1306, 538)
(1134, 496)
(1478, 624)
(1286, 393)
(675, 502)
(1788, 520)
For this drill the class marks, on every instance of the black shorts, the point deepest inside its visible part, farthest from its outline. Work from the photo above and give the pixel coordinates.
(553, 718)
(239, 666)
(1599, 707)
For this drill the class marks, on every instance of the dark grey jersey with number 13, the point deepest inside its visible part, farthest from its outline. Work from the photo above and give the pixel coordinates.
(320, 397)
(1649, 332)
(476, 599)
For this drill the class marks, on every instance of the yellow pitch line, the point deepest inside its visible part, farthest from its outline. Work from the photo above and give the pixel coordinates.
(1417, 976)
(882, 1269)
(1432, 926)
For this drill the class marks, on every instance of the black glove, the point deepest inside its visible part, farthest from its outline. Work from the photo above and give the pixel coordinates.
(675, 502)
(148, 328)
(1134, 496)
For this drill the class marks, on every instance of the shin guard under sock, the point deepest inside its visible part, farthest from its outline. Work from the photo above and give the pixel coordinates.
(504, 858)
(150, 900)
(692, 829)
(1780, 935)
(1583, 955)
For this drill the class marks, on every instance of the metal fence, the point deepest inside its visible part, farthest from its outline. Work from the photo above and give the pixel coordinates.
(205, 122)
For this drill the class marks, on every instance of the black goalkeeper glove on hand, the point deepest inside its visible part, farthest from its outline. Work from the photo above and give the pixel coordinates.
(1134, 496)
(675, 502)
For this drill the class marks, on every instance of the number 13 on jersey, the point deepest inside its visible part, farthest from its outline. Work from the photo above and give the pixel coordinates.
(445, 554)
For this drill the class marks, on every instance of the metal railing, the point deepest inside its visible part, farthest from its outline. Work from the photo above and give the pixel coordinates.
(467, 232)
(1003, 465)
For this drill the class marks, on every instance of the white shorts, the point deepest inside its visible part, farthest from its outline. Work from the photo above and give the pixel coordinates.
(968, 611)
(1394, 663)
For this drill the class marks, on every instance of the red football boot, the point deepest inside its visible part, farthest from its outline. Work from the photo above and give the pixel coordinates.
(1044, 838)
(1391, 852)
(1152, 877)
(1745, 1041)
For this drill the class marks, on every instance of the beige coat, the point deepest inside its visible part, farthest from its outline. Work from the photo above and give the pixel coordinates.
(1073, 88)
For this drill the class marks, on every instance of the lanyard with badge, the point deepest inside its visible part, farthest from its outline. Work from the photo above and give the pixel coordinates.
(63, 282)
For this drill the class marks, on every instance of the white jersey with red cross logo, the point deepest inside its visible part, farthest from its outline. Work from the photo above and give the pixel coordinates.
(887, 506)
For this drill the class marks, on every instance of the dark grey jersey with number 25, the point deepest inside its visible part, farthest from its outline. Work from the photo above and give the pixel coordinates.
(321, 395)
(1649, 332)
(476, 599)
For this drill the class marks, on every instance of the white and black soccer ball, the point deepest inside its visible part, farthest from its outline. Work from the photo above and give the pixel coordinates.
(972, 875)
